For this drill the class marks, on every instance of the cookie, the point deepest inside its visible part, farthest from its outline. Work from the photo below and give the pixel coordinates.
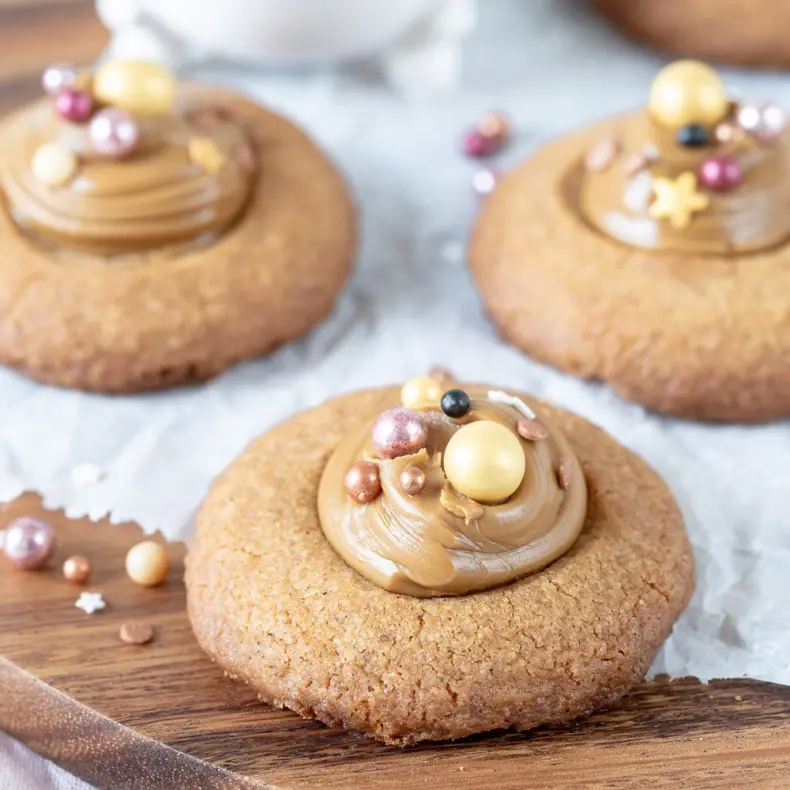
(650, 251)
(730, 31)
(144, 248)
(272, 601)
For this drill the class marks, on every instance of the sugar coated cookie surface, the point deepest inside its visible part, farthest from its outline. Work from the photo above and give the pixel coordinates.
(273, 602)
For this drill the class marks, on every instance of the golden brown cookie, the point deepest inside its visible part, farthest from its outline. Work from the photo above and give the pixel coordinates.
(744, 32)
(650, 251)
(277, 607)
(165, 315)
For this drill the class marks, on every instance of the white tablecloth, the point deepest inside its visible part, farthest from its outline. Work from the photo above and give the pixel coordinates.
(411, 305)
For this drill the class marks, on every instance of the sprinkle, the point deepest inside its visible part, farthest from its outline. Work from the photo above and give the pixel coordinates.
(86, 474)
(600, 155)
(532, 430)
(90, 602)
(650, 152)
(204, 153)
(136, 633)
(677, 200)
(502, 397)
(453, 252)
(633, 163)
(565, 473)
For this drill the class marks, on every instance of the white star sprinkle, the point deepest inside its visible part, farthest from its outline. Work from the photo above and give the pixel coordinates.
(502, 397)
(90, 602)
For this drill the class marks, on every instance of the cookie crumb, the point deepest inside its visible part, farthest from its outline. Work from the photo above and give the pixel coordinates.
(532, 430)
(136, 633)
(565, 473)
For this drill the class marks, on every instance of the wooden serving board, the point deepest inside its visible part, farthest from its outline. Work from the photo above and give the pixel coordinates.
(162, 715)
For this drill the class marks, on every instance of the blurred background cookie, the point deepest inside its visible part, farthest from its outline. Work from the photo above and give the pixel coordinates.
(741, 32)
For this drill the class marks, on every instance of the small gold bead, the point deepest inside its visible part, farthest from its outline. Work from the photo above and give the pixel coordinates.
(147, 564)
(53, 164)
(204, 153)
(421, 393)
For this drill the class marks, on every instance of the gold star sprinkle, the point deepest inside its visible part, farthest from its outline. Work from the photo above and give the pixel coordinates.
(676, 200)
(204, 153)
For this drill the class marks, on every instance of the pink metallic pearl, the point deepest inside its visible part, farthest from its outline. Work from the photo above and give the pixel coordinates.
(113, 132)
(720, 173)
(74, 105)
(772, 121)
(399, 432)
(57, 77)
(28, 543)
(477, 145)
(765, 121)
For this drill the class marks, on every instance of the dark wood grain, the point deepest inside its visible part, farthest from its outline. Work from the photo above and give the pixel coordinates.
(165, 704)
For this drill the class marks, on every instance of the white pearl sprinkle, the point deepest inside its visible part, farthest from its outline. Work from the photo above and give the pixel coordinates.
(502, 397)
(90, 602)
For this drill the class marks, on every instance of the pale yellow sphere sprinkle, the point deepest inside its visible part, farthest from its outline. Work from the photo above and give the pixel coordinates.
(53, 164)
(688, 91)
(485, 461)
(421, 393)
(137, 86)
(147, 564)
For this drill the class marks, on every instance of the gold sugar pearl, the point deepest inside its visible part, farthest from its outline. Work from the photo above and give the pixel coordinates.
(140, 87)
(485, 461)
(53, 164)
(688, 92)
(421, 393)
(147, 564)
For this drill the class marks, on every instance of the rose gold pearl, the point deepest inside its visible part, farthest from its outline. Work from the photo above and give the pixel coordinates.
(363, 483)
(412, 480)
(113, 133)
(495, 124)
(399, 432)
(147, 564)
(728, 132)
(77, 570)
